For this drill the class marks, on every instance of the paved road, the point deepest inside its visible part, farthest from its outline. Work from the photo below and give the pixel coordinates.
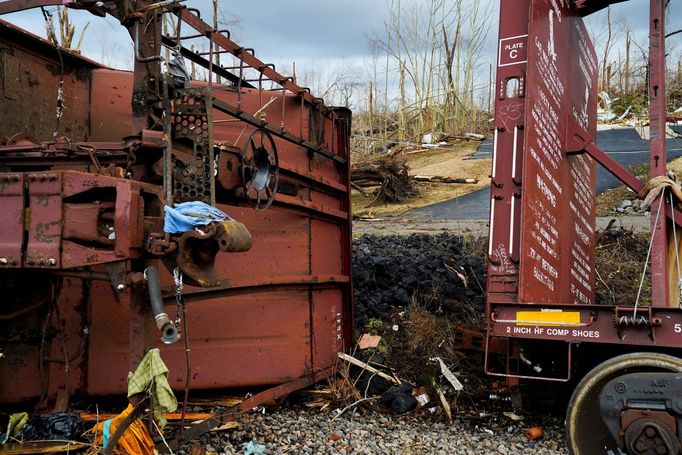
(625, 145)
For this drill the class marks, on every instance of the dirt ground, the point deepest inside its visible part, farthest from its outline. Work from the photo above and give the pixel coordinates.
(447, 161)
(392, 225)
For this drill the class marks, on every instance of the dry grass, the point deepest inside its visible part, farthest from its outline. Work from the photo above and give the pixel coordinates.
(676, 166)
(342, 390)
(610, 199)
(620, 256)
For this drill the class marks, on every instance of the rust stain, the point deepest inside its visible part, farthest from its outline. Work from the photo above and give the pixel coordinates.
(43, 200)
(42, 232)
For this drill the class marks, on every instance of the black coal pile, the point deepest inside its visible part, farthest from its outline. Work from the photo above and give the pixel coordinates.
(447, 271)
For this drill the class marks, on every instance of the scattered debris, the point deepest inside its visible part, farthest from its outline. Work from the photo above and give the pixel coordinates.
(604, 112)
(399, 398)
(43, 447)
(513, 416)
(62, 426)
(366, 367)
(226, 426)
(452, 379)
(443, 401)
(368, 340)
(170, 416)
(125, 433)
(534, 433)
(422, 397)
(391, 173)
(16, 422)
(433, 140)
(253, 448)
(367, 215)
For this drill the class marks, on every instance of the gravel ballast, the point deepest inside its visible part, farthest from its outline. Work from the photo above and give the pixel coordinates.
(297, 430)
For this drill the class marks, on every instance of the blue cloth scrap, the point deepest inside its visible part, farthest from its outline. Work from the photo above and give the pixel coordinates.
(106, 432)
(186, 216)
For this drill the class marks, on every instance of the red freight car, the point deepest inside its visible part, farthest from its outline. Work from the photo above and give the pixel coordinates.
(85, 179)
(541, 274)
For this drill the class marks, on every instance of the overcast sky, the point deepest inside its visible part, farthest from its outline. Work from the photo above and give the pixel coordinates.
(309, 32)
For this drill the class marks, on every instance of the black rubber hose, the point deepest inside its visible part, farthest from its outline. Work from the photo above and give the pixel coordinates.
(154, 287)
(169, 332)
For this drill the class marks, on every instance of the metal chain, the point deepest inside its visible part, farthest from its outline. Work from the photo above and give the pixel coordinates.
(177, 277)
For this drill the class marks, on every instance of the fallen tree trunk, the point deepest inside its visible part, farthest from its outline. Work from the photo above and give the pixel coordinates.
(443, 179)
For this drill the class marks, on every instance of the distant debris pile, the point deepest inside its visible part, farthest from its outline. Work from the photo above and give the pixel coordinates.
(390, 173)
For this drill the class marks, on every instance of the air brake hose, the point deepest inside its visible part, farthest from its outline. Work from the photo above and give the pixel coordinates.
(169, 332)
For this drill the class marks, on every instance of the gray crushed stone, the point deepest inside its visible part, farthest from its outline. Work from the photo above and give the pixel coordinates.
(299, 430)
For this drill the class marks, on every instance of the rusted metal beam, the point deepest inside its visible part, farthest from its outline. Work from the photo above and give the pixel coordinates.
(241, 53)
(320, 210)
(587, 7)
(253, 121)
(625, 176)
(246, 287)
(248, 404)
(13, 6)
(204, 63)
(598, 323)
(614, 167)
(657, 152)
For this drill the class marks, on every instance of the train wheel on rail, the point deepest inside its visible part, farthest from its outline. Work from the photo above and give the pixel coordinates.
(628, 404)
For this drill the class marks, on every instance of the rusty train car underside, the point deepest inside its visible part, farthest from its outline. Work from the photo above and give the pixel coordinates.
(89, 158)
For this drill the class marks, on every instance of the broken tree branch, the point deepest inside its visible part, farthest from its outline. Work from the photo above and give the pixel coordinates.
(371, 369)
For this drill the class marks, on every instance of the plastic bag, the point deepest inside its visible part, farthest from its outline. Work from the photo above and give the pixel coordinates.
(58, 426)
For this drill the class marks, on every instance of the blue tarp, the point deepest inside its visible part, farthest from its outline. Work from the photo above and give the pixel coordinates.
(188, 215)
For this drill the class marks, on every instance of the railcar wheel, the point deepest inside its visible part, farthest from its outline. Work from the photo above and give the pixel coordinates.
(586, 432)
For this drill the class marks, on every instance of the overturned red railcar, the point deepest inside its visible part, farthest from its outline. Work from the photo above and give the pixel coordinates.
(89, 158)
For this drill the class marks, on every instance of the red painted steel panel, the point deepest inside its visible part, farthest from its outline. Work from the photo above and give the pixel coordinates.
(327, 318)
(12, 219)
(29, 76)
(44, 226)
(20, 369)
(505, 189)
(264, 333)
(258, 339)
(109, 111)
(558, 193)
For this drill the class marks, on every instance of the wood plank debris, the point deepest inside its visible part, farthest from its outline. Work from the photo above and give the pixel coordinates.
(363, 365)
